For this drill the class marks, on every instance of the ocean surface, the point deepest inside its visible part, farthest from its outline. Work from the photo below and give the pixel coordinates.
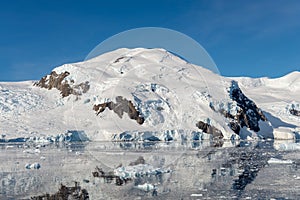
(186, 170)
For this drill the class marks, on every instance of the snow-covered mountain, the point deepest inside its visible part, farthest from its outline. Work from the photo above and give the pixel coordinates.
(149, 94)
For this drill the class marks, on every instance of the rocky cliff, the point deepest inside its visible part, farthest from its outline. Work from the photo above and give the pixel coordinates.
(58, 81)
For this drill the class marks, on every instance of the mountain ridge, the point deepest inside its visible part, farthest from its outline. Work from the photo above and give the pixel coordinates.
(170, 94)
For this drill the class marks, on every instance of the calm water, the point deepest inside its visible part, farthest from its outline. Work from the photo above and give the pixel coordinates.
(194, 170)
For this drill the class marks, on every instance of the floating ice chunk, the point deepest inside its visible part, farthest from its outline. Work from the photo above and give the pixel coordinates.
(279, 161)
(283, 133)
(37, 151)
(286, 146)
(196, 195)
(146, 187)
(33, 166)
(28, 166)
(36, 166)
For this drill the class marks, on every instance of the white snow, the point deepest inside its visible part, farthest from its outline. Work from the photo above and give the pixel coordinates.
(276, 97)
(172, 95)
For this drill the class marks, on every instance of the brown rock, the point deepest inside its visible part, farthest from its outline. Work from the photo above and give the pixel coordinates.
(121, 106)
(58, 81)
(207, 128)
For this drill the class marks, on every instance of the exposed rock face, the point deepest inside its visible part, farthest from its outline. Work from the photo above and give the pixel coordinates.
(233, 124)
(295, 112)
(207, 128)
(235, 127)
(65, 87)
(118, 59)
(121, 106)
(248, 115)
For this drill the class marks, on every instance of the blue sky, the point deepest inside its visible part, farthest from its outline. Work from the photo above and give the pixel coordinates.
(245, 38)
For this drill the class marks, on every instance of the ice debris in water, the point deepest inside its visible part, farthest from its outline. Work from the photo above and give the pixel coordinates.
(32, 151)
(279, 161)
(33, 166)
(138, 171)
(146, 187)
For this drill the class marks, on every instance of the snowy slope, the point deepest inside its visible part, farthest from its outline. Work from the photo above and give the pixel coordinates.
(172, 96)
(276, 97)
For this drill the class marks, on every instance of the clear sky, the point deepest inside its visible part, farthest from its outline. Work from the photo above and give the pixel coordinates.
(245, 38)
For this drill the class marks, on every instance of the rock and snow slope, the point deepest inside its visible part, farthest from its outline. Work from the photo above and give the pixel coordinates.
(148, 94)
(277, 97)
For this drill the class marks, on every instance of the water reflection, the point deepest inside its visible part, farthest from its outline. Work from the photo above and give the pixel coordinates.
(250, 162)
(185, 170)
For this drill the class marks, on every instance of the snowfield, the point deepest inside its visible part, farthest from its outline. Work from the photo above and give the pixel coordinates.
(169, 94)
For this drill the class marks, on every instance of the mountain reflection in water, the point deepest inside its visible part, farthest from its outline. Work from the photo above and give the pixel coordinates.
(186, 170)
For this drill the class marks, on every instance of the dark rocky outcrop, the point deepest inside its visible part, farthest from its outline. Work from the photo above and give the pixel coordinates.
(248, 115)
(64, 192)
(121, 106)
(295, 112)
(65, 87)
(207, 128)
(233, 124)
(118, 59)
(235, 127)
